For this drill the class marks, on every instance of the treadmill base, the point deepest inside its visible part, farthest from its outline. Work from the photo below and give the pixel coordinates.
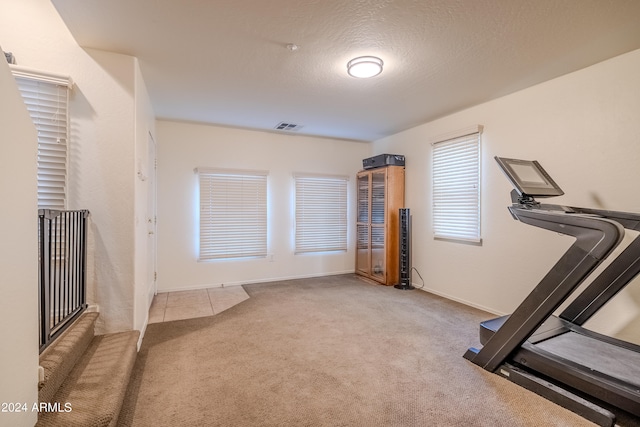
(558, 395)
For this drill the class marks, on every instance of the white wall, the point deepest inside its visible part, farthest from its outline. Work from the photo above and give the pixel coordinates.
(184, 146)
(106, 121)
(583, 128)
(18, 255)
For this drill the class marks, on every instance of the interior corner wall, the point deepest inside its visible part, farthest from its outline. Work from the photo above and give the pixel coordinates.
(182, 147)
(584, 129)
(18, 255)
(102, 174)
(144, 203)
(101, 171)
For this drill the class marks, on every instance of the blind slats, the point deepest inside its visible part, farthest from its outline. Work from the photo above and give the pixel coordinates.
(233, 214)
(47, 103)
(456, 188)
(321, 213)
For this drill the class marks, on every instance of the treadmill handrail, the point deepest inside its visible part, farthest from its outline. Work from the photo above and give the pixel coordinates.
(560, 222)
(629, 220)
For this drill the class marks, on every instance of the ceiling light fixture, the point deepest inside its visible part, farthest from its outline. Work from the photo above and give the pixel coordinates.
(364, 67)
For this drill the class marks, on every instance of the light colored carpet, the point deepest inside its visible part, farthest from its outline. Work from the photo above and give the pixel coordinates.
(330, 351)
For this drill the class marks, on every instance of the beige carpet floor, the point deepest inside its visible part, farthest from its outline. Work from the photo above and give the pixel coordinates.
(330, 351)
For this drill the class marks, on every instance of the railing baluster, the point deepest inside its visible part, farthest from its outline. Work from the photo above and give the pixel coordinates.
(72, 256)
(65, 263)
(54, 270)
(57, 271)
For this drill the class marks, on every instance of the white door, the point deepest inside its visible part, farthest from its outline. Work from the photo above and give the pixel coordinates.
(151, 217)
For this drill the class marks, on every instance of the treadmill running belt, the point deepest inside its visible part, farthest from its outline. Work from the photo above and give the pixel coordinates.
(600, 356)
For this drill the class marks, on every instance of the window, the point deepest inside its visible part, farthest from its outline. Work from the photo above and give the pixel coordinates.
(47, 99)
(233, 214)
(321, 213)
(456, 186)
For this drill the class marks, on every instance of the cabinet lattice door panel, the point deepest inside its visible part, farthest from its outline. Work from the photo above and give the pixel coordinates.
(380, 196)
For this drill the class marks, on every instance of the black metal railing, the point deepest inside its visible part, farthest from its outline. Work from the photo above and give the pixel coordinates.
(62, 277)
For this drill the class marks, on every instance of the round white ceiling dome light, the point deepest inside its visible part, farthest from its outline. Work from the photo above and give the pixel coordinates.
(364, 67)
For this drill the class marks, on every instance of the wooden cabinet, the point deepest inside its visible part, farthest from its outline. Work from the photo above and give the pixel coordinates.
(380, 196)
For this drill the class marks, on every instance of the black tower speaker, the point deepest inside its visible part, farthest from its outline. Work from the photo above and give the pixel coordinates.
(405, 250)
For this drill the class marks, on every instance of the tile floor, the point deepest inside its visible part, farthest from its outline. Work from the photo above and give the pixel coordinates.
(180, 305)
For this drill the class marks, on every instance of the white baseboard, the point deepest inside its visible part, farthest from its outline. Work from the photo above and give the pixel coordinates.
(247, 282)
(460, 300)
(143, 330)
(93, 308)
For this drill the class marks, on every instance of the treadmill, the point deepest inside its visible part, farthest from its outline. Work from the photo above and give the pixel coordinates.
(589, 373)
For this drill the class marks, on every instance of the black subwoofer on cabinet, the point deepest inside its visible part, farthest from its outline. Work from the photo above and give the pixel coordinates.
(404, 250)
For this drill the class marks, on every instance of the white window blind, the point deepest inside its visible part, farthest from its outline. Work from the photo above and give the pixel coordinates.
(47, 99)
(321, 213)
(233, 214)
(456, 188)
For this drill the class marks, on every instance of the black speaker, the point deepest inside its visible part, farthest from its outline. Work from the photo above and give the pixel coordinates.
(404, 243)
(383, 160)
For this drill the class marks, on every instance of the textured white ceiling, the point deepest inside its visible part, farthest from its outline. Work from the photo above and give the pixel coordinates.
(226, 61)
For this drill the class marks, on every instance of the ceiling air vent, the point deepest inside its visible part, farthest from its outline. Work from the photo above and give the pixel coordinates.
(290, 127)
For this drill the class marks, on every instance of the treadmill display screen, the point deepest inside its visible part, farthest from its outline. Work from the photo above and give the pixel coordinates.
(529, 178)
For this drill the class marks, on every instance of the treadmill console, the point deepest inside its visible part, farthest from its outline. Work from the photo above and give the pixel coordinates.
(529, 180)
